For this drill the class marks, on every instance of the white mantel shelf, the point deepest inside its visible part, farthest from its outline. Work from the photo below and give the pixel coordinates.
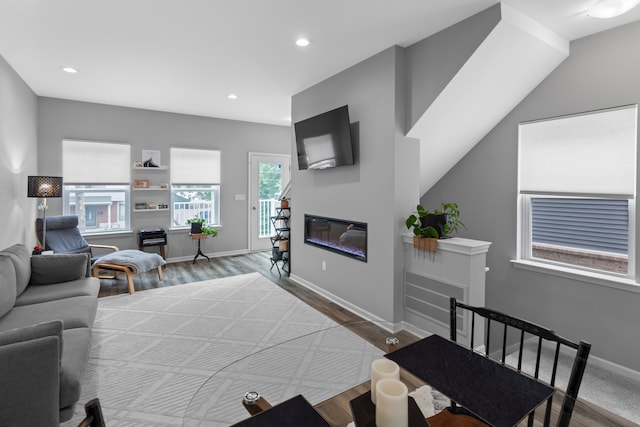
(456, 244)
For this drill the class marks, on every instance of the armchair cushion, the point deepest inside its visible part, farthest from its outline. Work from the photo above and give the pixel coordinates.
(58, 268)
(7, 285)
(19, 256)
(63, 235)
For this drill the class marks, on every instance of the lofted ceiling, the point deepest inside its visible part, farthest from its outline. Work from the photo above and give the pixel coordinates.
(187, 56)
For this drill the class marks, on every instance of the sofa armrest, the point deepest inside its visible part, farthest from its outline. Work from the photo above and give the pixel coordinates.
(56, 268)
(30, 371)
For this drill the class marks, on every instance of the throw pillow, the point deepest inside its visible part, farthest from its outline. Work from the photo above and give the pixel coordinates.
(56, 268)
(7, 285)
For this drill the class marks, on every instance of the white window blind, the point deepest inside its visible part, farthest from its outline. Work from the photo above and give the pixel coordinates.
(591, 154)
(86, 162)
(193, 166)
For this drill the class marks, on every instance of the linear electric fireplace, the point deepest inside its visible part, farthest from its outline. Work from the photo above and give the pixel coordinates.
(347, 238)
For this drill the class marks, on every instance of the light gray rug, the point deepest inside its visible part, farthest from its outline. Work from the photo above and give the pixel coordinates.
(152, 351)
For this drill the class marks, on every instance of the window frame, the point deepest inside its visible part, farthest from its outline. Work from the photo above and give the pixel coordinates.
(524, 245)
(93, 188)
(213, 188)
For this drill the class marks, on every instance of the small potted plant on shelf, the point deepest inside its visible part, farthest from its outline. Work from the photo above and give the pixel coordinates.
(284, 202)
(198, 226)
(429, 226)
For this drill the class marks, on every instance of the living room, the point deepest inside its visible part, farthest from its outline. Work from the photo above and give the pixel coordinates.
(380, 189)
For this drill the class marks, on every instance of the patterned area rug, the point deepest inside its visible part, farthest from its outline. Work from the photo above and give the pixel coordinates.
(155, 350)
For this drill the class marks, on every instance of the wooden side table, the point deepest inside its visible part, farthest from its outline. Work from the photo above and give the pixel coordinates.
(199, 237)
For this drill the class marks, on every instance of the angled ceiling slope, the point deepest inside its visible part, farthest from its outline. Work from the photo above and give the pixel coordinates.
(514, 58)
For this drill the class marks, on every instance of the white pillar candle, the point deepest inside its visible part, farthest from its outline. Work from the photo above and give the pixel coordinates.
(382, 368)
(392, 409)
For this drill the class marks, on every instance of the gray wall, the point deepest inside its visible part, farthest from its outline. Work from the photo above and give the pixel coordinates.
(143, 129)
(367, 191)
(602, 71)
(434, 61)
(18, 157)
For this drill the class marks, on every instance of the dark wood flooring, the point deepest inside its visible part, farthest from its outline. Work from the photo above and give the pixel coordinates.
(585, 415)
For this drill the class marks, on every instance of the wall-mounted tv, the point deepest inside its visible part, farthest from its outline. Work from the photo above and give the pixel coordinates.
(324, 141)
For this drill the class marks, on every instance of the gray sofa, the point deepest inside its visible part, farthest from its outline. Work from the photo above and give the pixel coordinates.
(48, 304)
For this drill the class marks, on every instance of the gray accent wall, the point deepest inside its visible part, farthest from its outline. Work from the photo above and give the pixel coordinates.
(602, 71)
(372, 191)
(144, 129)
(18, 157)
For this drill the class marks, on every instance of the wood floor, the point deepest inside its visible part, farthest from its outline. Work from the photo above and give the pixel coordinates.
(585, 415)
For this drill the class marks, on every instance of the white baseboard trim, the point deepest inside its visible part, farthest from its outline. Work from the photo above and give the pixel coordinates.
(594, 361)
(384, 324)
(614, 368)
(212, 255)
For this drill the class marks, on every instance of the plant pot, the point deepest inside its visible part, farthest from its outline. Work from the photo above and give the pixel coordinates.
(284, 203)
(283, 246)
(196, 228)
(429, 244)
(436, 221)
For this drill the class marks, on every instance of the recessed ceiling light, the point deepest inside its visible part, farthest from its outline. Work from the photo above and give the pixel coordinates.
(302, 42)
(69, 70)
(611, 8)
(232, 96)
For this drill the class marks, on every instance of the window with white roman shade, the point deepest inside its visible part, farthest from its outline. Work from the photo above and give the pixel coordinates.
(195, 186)
(577, 186)
(97, 178)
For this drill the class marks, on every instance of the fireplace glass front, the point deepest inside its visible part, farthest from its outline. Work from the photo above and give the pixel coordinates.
(347, 238)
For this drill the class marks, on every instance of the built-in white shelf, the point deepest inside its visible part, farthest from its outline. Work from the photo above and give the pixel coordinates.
(159, 168)
(152, 188)
(151, 210)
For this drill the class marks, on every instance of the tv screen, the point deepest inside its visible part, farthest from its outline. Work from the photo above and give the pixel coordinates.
(324, 141)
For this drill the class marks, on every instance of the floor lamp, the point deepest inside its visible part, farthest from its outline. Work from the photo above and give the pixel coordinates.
(44, 186)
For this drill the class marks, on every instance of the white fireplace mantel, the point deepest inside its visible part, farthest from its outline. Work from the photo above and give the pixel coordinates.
(457, 268)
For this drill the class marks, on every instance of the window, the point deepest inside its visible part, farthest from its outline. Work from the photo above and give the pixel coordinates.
(96, 185)
(577, 179)
(195, 186)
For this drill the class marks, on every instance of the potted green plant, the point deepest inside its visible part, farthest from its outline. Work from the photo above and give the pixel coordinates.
(434, 225)
(198, 226)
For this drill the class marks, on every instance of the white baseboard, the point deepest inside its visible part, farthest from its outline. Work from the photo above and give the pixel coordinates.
(212, 255)
(384, 324)
(614, 368)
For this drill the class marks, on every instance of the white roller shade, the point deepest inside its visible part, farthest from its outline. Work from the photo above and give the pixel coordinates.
(593, 153)
(86, 162)
(193, 166)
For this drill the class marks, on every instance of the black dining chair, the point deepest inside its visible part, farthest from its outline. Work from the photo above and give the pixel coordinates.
(506, 339)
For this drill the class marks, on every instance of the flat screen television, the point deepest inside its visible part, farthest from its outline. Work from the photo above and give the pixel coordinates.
(324, 141)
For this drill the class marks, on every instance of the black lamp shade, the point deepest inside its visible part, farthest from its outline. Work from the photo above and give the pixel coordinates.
(44, 186)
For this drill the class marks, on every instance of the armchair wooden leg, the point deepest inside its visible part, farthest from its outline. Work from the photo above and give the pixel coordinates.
(129, 274)
(160, 277)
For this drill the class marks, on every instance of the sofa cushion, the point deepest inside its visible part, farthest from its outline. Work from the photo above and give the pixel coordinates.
(77, 346)
(75, 312)
(87, 286)
(7, 285)
(20, 257)
(30, 372)
(56, 268)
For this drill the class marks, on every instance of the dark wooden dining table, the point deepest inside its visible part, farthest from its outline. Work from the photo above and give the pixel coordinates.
(495, 393)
